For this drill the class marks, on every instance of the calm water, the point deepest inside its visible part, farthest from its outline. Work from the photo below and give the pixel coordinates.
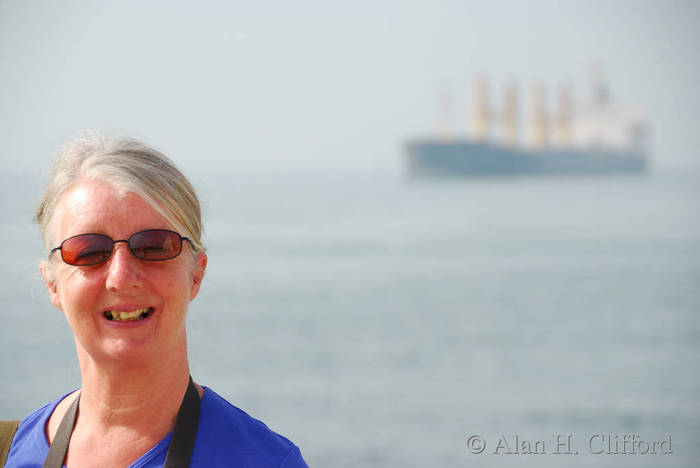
(380, 322)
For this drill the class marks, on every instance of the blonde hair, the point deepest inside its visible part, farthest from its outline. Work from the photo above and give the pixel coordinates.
(128, 165)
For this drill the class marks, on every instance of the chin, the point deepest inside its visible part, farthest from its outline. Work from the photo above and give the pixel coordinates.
(127, 352)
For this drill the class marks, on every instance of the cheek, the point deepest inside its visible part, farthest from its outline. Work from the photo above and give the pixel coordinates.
(75, 288)
(174, 285)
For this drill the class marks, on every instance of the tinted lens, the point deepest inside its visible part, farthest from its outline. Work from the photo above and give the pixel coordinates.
(155, 244)
(86, 249)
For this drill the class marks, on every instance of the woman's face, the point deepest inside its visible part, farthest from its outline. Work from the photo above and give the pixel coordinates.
(90, 295)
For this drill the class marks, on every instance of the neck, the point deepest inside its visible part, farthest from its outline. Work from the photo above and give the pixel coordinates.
(146, 395)
(126, 406)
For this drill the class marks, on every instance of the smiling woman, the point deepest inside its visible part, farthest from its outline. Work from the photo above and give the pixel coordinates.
(122, 229)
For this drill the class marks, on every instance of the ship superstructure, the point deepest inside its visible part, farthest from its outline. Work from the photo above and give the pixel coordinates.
(597, 136)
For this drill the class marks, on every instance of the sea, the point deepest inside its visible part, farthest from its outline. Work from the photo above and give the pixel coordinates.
(380, 320)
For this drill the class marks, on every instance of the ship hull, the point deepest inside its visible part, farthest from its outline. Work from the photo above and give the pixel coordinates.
(476, 159)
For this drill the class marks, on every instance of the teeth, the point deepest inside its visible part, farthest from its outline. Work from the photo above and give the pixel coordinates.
(124, 316)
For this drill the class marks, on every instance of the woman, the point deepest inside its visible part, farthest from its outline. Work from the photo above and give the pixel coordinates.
(122, 229)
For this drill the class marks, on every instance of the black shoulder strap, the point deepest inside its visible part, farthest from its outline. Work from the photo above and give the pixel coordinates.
(59, 445)
(185, 432)
(7, 433)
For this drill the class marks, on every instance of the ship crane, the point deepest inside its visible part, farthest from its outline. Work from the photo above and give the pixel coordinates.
(480, 112)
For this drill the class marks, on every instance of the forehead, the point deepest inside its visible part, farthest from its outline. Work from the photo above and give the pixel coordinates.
(95, 207)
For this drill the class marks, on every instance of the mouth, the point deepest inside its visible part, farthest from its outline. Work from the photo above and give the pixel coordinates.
(127, 315)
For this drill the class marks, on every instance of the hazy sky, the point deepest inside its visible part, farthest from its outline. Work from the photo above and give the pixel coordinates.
(324, 85)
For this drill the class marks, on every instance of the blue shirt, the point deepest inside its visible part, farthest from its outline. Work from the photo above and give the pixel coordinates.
(226, 436)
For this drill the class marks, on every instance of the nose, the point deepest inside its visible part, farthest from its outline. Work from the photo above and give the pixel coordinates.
(123, 270)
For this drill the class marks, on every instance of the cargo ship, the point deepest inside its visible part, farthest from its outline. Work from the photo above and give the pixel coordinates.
(598, 137)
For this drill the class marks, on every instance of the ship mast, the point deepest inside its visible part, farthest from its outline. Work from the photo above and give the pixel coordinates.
(480, 114)
(509, 116)
(561, 133)
(538, 135)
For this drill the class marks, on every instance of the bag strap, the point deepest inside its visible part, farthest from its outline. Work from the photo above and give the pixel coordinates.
(182, 442)
(7, 433)
(59, 445)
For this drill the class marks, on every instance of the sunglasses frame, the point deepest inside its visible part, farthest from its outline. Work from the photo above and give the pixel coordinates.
(128, 243)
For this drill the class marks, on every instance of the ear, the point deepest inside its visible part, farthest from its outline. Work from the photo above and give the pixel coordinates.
(200, 265)
(50, 281)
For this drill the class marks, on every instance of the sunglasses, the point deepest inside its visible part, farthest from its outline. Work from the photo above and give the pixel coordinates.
(91, 249)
